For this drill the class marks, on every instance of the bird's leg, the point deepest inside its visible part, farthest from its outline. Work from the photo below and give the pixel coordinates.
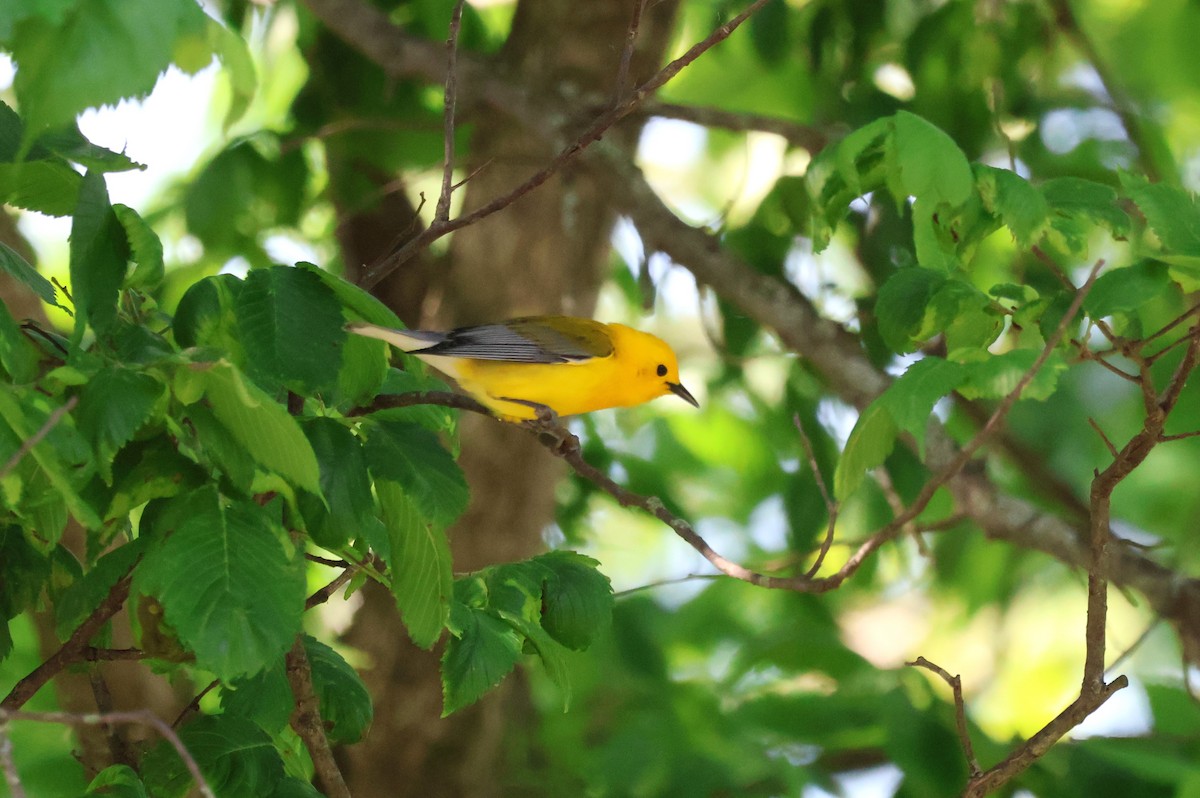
(546, 423)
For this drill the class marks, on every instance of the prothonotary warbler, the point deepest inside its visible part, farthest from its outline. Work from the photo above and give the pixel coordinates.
(567, 364)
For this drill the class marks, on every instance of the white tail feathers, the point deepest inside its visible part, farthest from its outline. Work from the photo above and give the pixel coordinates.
(405, 340)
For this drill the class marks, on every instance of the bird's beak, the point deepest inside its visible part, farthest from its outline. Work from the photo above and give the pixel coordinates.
(683, 393)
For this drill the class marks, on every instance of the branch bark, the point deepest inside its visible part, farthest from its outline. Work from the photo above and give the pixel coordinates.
(306, 722)
(72, 651)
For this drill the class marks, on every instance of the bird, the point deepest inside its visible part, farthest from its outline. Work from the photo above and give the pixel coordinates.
(566, 364)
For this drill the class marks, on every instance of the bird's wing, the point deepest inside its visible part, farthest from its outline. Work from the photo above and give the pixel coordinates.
(536, 339)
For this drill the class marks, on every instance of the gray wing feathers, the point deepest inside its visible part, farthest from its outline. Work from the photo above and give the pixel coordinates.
(529, 340)
(500, 342)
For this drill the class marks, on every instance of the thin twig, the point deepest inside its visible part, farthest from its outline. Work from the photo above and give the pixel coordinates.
(1180, 436)
(1053, 266)
(942, 524)
(140, 716)
(324, 560)
(831, 506)
(813, 139)
(325, 593)
(194, 704)
(631, 37)
(665, 582)
(1153, 358)
(1142, 638)
(442, 212)
(33, 440)
(1112, 449)
(960, 712)
(92, 654)
(1175, 322)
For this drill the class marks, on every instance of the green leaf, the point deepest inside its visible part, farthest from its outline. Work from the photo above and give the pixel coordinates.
(17, 355)
(355, 299)
(70, 144)
(82, 597)
(229, 584)
(95, 54)
(965, 315)
(291, 327)
(1019, 205)
(363, 371)
(412, 456)
(905, 406)
(553, 654)
(842, 173)
(265, 698)
(1077, 206)
(1171, 212)
(344, 700)
(116, 781)
(1126, 289)
(869, 444)
(235, 756)
(345, 486)
(422, 577)
(900, 307)
(261, 425)
(769, 32)
(99, 252)
(205, 316)
(146, 248)
(17, 267)
(933, 240)
(219, 448)
(910, 399)
(24, 572)
(253, 185)
(995, 376)
(151, 470)
(927, 164)
(239, 68)
(113, 406)
(577, 600)
(477, 658)
(26, 418)
(46, 186)
(11, 13)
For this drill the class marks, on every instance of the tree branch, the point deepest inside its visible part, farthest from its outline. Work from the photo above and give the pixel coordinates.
(1036, 746)
(306, 722)
(442, 212)
(960, 711)
(74, 649)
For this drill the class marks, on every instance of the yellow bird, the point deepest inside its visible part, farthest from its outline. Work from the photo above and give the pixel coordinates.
(567, 364)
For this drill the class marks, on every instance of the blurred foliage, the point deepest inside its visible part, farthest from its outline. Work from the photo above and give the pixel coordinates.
(981, 153)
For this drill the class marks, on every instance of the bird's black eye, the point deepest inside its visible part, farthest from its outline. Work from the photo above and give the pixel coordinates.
(662, 370)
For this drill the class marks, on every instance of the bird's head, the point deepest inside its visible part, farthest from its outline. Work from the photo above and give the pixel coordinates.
(652, 364)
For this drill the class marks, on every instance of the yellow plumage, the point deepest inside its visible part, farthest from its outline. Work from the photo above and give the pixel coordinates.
(567, 364)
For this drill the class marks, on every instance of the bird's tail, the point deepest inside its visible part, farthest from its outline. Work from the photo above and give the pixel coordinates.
(405, 340)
